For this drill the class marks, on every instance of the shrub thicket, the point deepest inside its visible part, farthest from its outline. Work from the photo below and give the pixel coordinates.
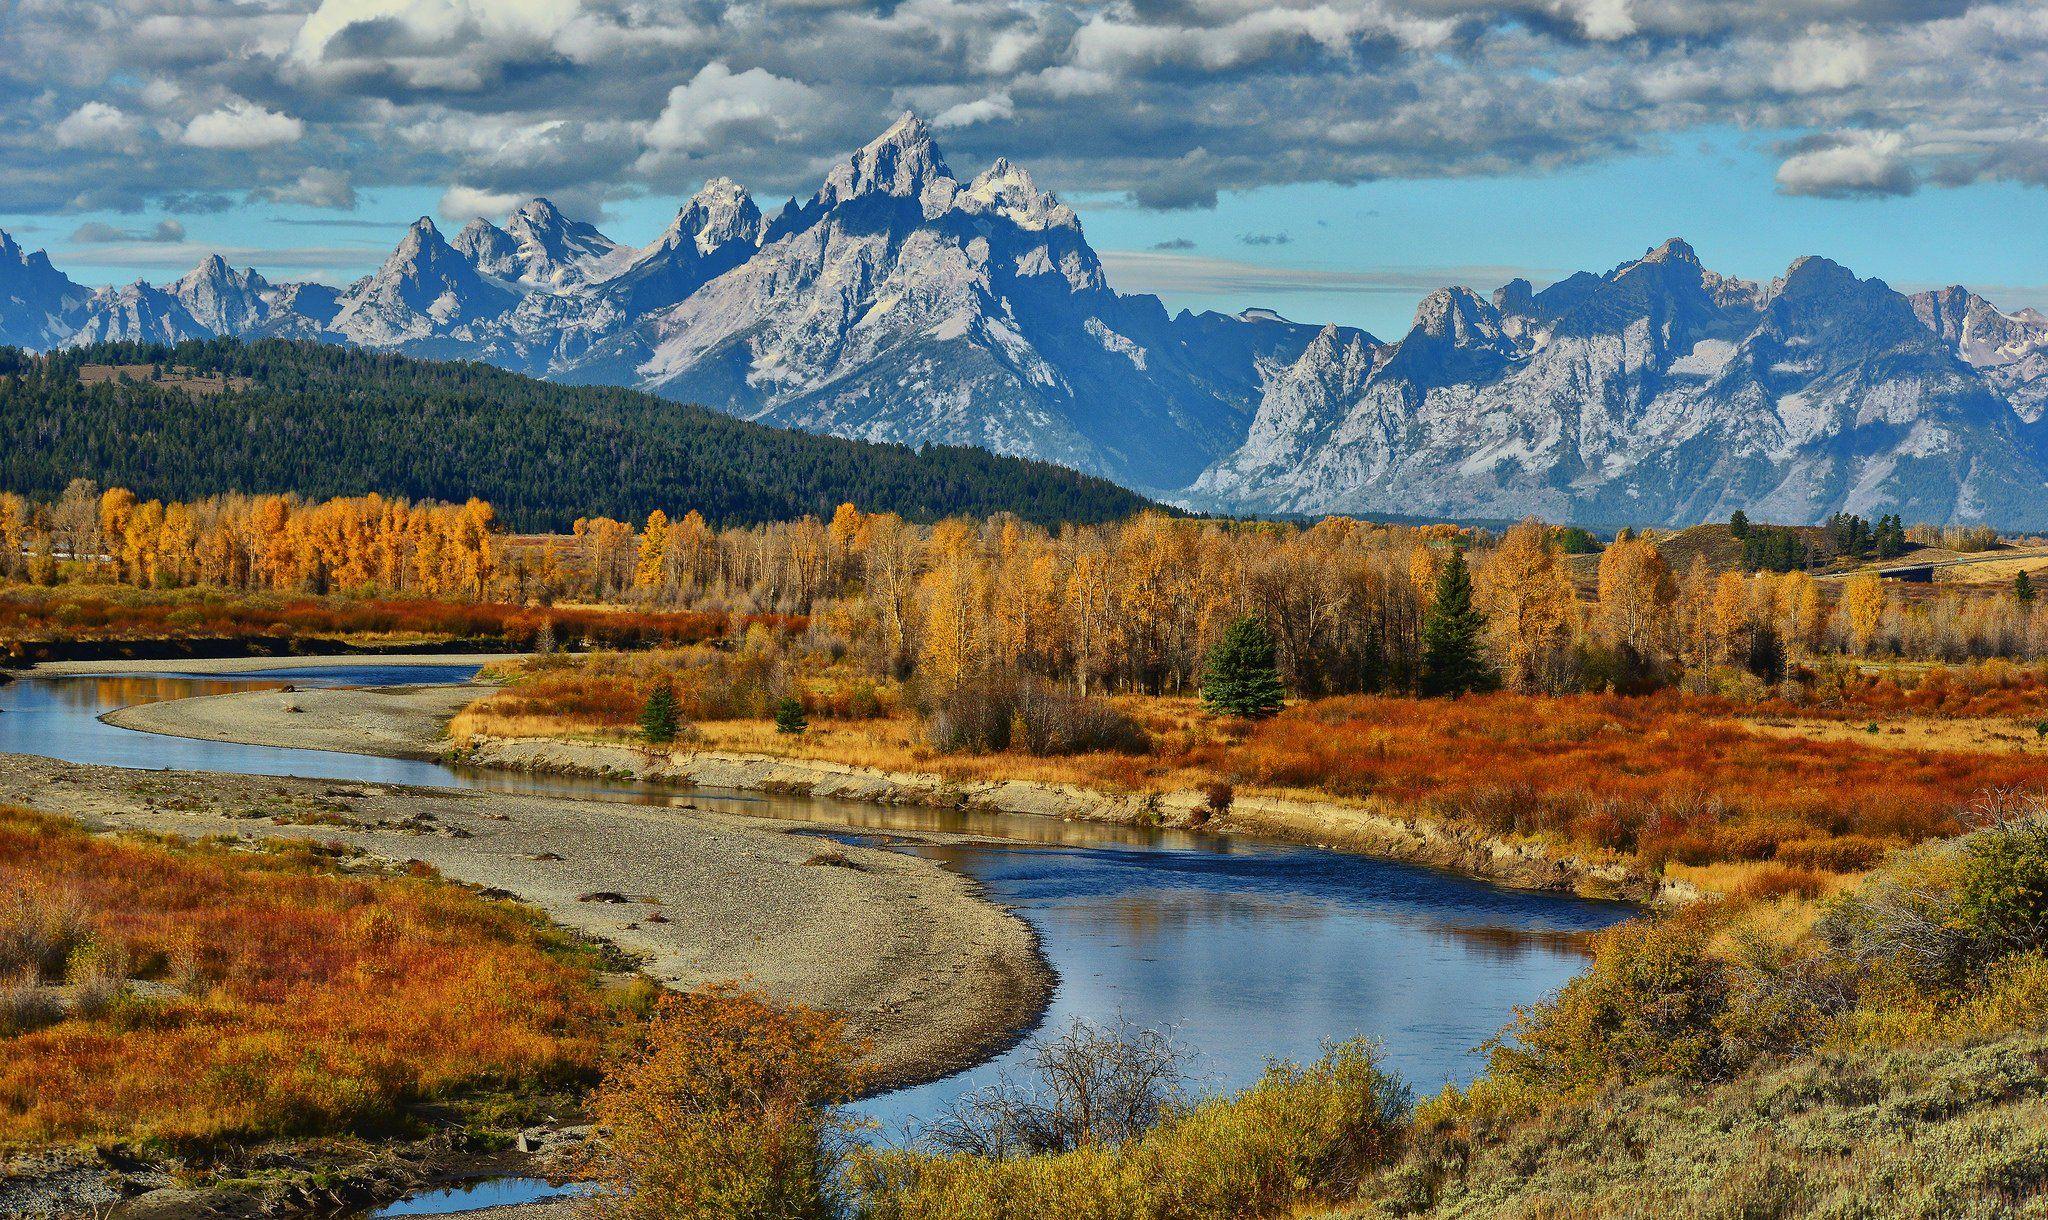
(999, 711)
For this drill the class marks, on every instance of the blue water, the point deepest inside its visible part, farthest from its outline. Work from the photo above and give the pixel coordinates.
(1240, 950)
(494, 1192)
(1244, 952)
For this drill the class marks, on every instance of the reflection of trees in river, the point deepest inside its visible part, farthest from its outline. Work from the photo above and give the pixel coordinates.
(1503, 944)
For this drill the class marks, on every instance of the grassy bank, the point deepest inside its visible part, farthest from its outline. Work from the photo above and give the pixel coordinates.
(193, 997)
(86, 621)
(1730, 796)
(1881, 1053)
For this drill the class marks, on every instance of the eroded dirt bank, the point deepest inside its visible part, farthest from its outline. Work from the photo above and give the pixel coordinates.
(935, 976)
(411, 722)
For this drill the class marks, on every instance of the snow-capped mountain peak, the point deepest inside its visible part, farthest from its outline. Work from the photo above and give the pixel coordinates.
(221, 299)
(1006, 190)
(715, 217)
(899, 304)
(539, 247)
(39, 305)
(902, 162)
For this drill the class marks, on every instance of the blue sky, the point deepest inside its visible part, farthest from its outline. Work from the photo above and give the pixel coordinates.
(1333, 159)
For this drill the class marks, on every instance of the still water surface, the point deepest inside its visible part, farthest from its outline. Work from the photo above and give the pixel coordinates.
(1241, 949)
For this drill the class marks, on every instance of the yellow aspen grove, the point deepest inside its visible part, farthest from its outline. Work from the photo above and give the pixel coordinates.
(141, 535)
(1425, 564)
(690, 547)
(843, 537)
(116, 505)
(949, 593)
(1636, 596)
(14, 526)
(1863, 607)
(649, 572)
(1728, 619)
(1527, 597)
(1802, 613)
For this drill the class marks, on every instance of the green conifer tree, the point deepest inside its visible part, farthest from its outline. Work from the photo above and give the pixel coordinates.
(659, 719)
(1453, 655)
(2023, 588)
(1242, 677)
(789, 715)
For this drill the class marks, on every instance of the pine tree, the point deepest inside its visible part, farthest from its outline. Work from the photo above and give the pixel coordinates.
(1242, 677)
(789, 715)
(1453, 657)
(660, 720)
(1738, 524)
(2023, 588)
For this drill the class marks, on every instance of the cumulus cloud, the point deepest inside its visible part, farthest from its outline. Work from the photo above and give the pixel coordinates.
(462, 203)
(991, 109)
(241, 125)
(719, 107)
(94, 124)
(317, 187)
(1165, 101)
(1861, 163)
(97, 233)
(1264, 239)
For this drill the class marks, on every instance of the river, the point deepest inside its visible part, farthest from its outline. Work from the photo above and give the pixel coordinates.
(1240, 950)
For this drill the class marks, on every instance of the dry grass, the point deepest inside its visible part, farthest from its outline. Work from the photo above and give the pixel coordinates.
(31, 616)
(1671, 780)
(300, 1000)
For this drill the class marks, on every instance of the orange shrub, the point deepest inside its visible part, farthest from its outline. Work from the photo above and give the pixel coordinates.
(305, 1001)
(1665, 776)
(726, 1110)
(32, 616)
(1777, 881)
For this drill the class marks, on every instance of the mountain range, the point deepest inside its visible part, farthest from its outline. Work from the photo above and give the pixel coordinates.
(903, 303)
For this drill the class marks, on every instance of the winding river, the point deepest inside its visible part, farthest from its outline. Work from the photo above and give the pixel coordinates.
(1242, 950)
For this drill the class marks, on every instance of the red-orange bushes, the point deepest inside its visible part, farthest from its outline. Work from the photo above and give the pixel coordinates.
(305, 1001)
(1986, 689)
(1664, 776)
(32, 614)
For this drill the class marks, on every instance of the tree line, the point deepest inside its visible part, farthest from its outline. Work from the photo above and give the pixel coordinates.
(1131, 606)
(326, 421)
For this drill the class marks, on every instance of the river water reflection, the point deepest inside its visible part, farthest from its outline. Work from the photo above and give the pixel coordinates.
(1243, 950)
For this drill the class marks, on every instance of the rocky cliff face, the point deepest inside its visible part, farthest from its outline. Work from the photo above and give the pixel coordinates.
(1656, 393)
(39, 305)
(903, 302)
(899, 302)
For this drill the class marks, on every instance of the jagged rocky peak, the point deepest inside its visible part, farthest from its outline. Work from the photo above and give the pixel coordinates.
(540, 225)
(1673, 250)
(12, 255)
(1006, 190)
(903, 162)
(1983, 334)
(1459, 315)
(222, 299)
(492, 249)
(715, 217)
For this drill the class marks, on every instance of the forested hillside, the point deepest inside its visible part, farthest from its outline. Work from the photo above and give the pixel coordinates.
(277, 416)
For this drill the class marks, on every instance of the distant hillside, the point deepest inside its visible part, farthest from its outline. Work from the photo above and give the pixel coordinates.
(274, 416)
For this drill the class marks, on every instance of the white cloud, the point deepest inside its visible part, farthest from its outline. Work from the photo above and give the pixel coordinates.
(315, 188)
(1604, 20)
(1822, 64)
(720, 105)
(993, 108)
(242, 125)
(94, 125)
(462, 204)
(433, 21)
(1850, 164)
